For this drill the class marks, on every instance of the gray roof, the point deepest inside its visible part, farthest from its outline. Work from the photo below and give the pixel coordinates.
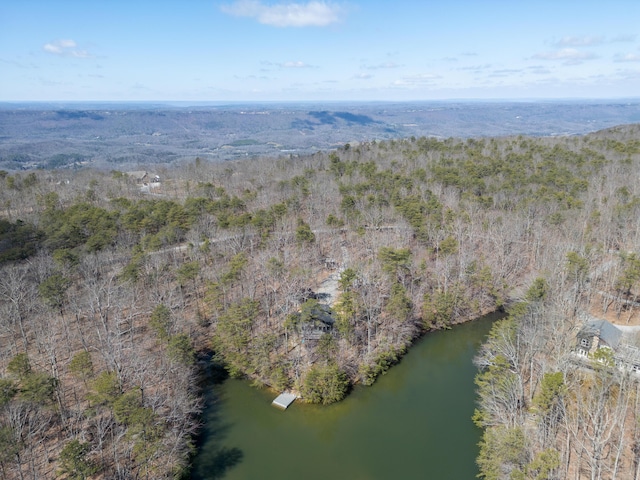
(324, 314)
(607, 332)
(137, 174)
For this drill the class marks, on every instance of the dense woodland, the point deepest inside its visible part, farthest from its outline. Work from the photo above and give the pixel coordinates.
(312, 274)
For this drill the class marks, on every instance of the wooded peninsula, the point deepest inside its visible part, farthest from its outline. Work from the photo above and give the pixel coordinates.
(312, 274)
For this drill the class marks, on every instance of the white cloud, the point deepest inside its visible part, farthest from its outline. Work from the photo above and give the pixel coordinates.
(476, 68)
(140, 87)
(592, 41)
(505, 72)
(363, 76)
(65, 48)
(80, 54)
(628, 74)
(629, 57)
(267, 65)
(579, 41)
(16, 64)
(51, 83)
(624, 38)
(314, 13)
(384, 65)
(539, 70)
(569, 56)
(423, 79)
(259, 78)
(59, 47)
(295, 64)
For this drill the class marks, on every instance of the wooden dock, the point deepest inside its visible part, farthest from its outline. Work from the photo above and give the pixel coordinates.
(284, 400)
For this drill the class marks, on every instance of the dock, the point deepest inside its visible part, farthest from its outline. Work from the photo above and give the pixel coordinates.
(284, 400)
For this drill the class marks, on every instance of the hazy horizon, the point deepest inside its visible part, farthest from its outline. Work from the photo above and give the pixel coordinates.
(222, 103)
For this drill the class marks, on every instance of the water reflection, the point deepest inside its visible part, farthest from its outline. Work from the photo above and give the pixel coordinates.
(415, 422)
(215, 457)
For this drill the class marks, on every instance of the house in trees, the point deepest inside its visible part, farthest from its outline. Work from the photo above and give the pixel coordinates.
(145, 180)
(627, 357)
(139, 176)
(596, 334)
(142, 177)
(321, 322)
(316, 320)
(603, 341)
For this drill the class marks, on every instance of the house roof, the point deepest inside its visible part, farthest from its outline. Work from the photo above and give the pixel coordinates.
(137, 174)
(607, 332)
(324, 314)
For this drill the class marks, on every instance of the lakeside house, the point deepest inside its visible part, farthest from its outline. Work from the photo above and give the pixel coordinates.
(322, 320)
(598, 334)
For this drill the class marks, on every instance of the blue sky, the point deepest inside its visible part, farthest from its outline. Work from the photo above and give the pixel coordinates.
(259, 50)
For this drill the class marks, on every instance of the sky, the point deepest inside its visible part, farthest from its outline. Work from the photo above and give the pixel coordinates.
(298, 50)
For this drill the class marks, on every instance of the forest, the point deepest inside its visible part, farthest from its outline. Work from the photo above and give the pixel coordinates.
(312, 274)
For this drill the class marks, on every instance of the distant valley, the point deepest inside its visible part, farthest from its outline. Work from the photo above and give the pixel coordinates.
(105, 135)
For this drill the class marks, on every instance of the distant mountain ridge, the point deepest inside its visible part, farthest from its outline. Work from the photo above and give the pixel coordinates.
(117, 135)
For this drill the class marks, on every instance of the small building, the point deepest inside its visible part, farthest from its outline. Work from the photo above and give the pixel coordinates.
(322, 321)
(138, 176)
(598, 334)
(142, 177)
(627, 357)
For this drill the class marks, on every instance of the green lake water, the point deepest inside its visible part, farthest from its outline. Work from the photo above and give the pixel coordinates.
(413, 423)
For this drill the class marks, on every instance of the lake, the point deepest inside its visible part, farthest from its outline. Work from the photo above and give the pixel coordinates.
(414, 422)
